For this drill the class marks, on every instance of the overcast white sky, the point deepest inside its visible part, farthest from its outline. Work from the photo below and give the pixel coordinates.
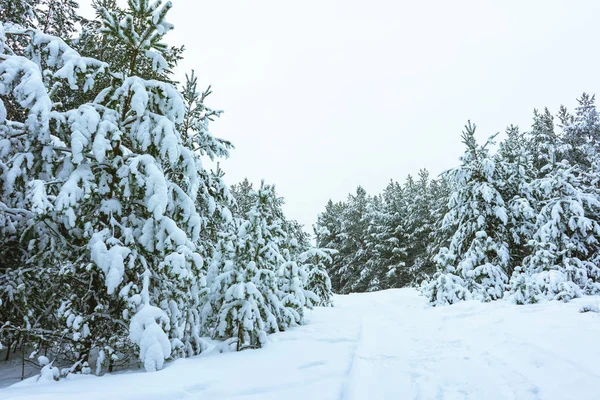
(323, 95)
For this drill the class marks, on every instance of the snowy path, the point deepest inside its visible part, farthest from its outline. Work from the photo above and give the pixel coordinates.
(386, 345)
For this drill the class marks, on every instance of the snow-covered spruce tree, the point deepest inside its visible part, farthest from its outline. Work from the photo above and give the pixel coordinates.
(478, 253)
(314, 261)
(113, 192)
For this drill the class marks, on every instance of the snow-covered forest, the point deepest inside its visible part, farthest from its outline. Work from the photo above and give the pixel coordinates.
(515, 219)
(118, 244)
(124, 246)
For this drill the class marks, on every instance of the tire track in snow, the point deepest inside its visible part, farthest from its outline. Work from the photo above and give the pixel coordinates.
(347, 383)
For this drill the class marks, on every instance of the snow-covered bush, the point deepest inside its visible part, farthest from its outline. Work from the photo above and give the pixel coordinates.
(545, 285)
(146, 331)
(445, 288)
(49, 373)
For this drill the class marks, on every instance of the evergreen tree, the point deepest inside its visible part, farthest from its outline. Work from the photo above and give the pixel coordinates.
(563, 259)
(111, 202)
(353, 251)
(57, 17)
(392, 237)
(419, 225)
(244, 196)
(478, 252)
(315, 261)
(580, 133)
(329, 235)
(543, 141)
(243, 311)
(440, 235)
(566, 238)
(255, 290)
(516, 173)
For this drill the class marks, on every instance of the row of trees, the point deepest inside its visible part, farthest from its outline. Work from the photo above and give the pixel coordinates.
(387, 240)
(117, 243)
(518, 220)
(382, 240)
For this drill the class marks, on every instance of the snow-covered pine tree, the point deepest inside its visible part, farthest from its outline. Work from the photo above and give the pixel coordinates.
(328, 234)
(22, 13)
(516, 172)
(297, 239)
(314, 261)
(238, 308)
(561, 265)
(54, 17)
(295, 297)
(111, 199)
(255, 301)
(478, 253)
(563, 262)
(543, 142)
(245, 196)
(580, 132)
(293, 274)
(372, 275)
(543, 147)
(31, 149)
(445, 287)
(440, 235)
(392, 236)
(57, 17)
(214, 200)
(353, 250)
(419, 225)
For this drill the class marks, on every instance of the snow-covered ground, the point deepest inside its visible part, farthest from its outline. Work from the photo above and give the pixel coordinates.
(385, 345)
